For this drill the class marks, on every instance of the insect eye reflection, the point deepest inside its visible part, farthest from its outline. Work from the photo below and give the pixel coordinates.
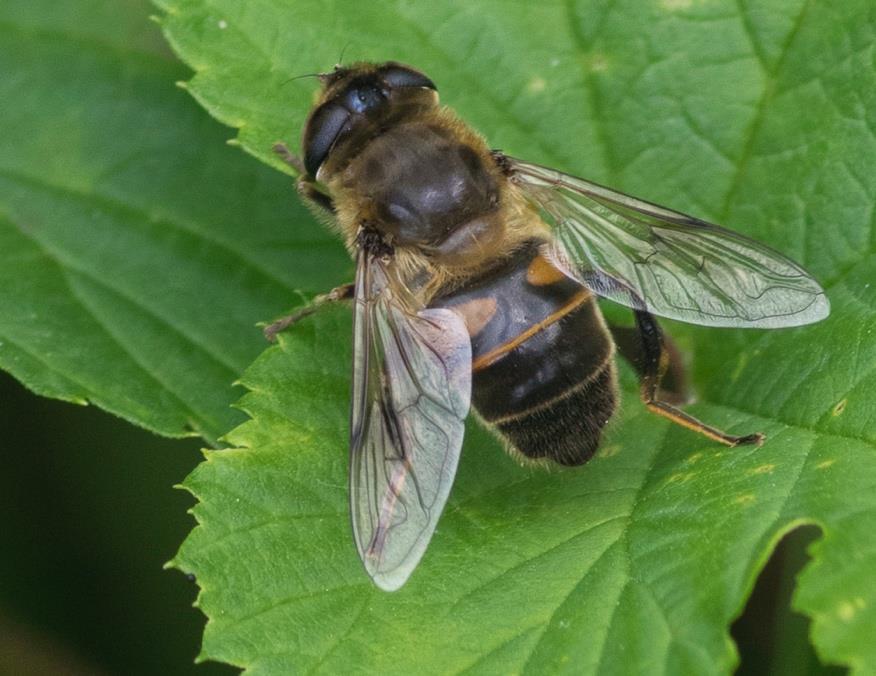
(364, 97)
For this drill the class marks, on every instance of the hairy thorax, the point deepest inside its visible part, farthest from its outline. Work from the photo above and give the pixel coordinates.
(436, 194)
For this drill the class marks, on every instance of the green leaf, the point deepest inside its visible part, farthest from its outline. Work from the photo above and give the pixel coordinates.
(759, 116)
(137, 251)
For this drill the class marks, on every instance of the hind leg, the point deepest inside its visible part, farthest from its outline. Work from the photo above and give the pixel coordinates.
(655, 359)
(673, 384)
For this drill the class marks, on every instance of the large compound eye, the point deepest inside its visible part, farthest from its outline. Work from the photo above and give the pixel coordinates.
(323, 129)
(396, 75)
(363, 98)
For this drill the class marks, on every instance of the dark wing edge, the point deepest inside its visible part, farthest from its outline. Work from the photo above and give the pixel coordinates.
(411, 395)
(651, 258)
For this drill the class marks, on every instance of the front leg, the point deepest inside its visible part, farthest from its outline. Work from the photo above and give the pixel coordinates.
(343, 292)
(307, 187)
(282, 151)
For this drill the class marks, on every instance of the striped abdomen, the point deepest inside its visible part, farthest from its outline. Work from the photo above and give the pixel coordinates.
(543, 368)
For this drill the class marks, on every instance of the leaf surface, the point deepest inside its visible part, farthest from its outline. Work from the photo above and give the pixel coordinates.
(138, 251)
(759, 117)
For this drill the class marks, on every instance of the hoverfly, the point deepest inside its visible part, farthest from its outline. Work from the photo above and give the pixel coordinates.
(476, 284)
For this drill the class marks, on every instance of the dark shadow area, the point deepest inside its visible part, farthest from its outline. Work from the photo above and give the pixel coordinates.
(771, 638)
(88, 517)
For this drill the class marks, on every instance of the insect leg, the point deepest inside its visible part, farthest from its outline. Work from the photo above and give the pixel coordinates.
(655, 362)
(343, 292)
(673, 384)
(290, 158)
(306, 186)
(310, 193)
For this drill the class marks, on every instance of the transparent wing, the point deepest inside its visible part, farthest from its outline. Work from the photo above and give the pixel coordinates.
(651, 258)
(411, 395)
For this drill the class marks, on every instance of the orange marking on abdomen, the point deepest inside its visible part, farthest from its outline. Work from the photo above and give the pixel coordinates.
(541, 273)
(476, 313)
(497, 353)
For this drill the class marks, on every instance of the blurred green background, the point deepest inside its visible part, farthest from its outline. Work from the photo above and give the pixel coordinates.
(88, 516)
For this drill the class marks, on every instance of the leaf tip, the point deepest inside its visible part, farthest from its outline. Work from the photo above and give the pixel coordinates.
(182, 84)
(233, 142)
(168, 7)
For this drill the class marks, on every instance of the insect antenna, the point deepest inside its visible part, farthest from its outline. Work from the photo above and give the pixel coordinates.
(341, 57)
(299, 77)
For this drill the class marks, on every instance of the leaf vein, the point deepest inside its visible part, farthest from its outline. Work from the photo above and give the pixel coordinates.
(760, 112)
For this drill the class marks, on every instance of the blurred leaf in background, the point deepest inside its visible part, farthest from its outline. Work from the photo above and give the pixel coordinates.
(88, 517)
(138, 252)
